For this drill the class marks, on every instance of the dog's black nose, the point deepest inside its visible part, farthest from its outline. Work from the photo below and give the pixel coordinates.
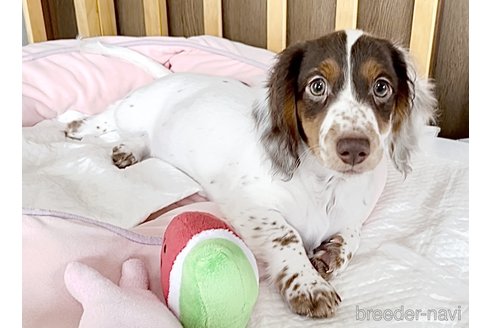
(353, 150)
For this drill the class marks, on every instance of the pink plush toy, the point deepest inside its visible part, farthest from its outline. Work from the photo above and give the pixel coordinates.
(107, 305)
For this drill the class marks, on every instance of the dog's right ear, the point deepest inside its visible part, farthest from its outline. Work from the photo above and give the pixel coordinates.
(282, 140)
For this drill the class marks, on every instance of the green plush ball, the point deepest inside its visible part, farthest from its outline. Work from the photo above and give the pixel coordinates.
(209, 276)
(219, 287)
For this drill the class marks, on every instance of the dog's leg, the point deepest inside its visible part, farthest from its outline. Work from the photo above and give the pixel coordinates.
(129, 148)
(99, 125)
(276, 243)
(334, 254)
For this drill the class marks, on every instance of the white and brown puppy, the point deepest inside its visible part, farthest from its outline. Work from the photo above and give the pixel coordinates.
(294, 166)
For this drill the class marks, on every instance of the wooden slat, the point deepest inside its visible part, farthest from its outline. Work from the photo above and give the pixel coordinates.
(152, 17)
(212, 17)
(276, 25)
(33, 15)
(87, 18)
(391, 20)
(309, 19)
(95, 17)
(107, 19)
(245, 21)
(155, 17)
(185, 17)
(422, 36)
(450, 69)
(346, 14)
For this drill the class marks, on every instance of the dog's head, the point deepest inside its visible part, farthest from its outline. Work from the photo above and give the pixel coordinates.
(345, 98)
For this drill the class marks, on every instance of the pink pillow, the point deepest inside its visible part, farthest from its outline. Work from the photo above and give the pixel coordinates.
(57, 77)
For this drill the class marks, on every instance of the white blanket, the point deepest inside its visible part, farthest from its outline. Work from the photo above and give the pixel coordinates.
(79, 177)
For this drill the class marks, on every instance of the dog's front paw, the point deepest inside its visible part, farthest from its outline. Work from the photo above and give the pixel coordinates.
(308, 294)
(123, 157)
(329, 258)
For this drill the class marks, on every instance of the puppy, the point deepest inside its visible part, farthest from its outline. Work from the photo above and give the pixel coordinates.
(294, 166)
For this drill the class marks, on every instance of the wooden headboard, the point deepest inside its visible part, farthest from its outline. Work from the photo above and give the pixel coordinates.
(435, 31)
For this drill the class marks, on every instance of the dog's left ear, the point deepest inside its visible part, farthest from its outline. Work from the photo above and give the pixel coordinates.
(282, 141)
(415, 108)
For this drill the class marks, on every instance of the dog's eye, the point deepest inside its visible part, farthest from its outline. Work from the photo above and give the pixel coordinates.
(317, 87)
(382, 89)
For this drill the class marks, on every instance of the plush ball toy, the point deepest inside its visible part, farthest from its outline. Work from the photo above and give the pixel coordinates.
(209, 276)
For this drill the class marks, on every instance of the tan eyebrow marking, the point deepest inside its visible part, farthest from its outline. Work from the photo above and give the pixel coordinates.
(371, 70)
(330, 69)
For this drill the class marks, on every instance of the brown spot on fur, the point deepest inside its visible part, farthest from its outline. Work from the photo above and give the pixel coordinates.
(319, 305)
(349, 256)
(286, 239)
(74, 125)
(296, 287)
(290, 280)
(280, 277)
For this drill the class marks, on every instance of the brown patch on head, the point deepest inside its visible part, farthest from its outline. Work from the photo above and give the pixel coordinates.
(401, 112)
(373, 58)
(312, 113)
(286, 239)
(311, 127)
(282, 140)
(330, 70)
(371, 69)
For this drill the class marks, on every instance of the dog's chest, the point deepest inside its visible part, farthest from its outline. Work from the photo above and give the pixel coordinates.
(319, 207)
(309, 210)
